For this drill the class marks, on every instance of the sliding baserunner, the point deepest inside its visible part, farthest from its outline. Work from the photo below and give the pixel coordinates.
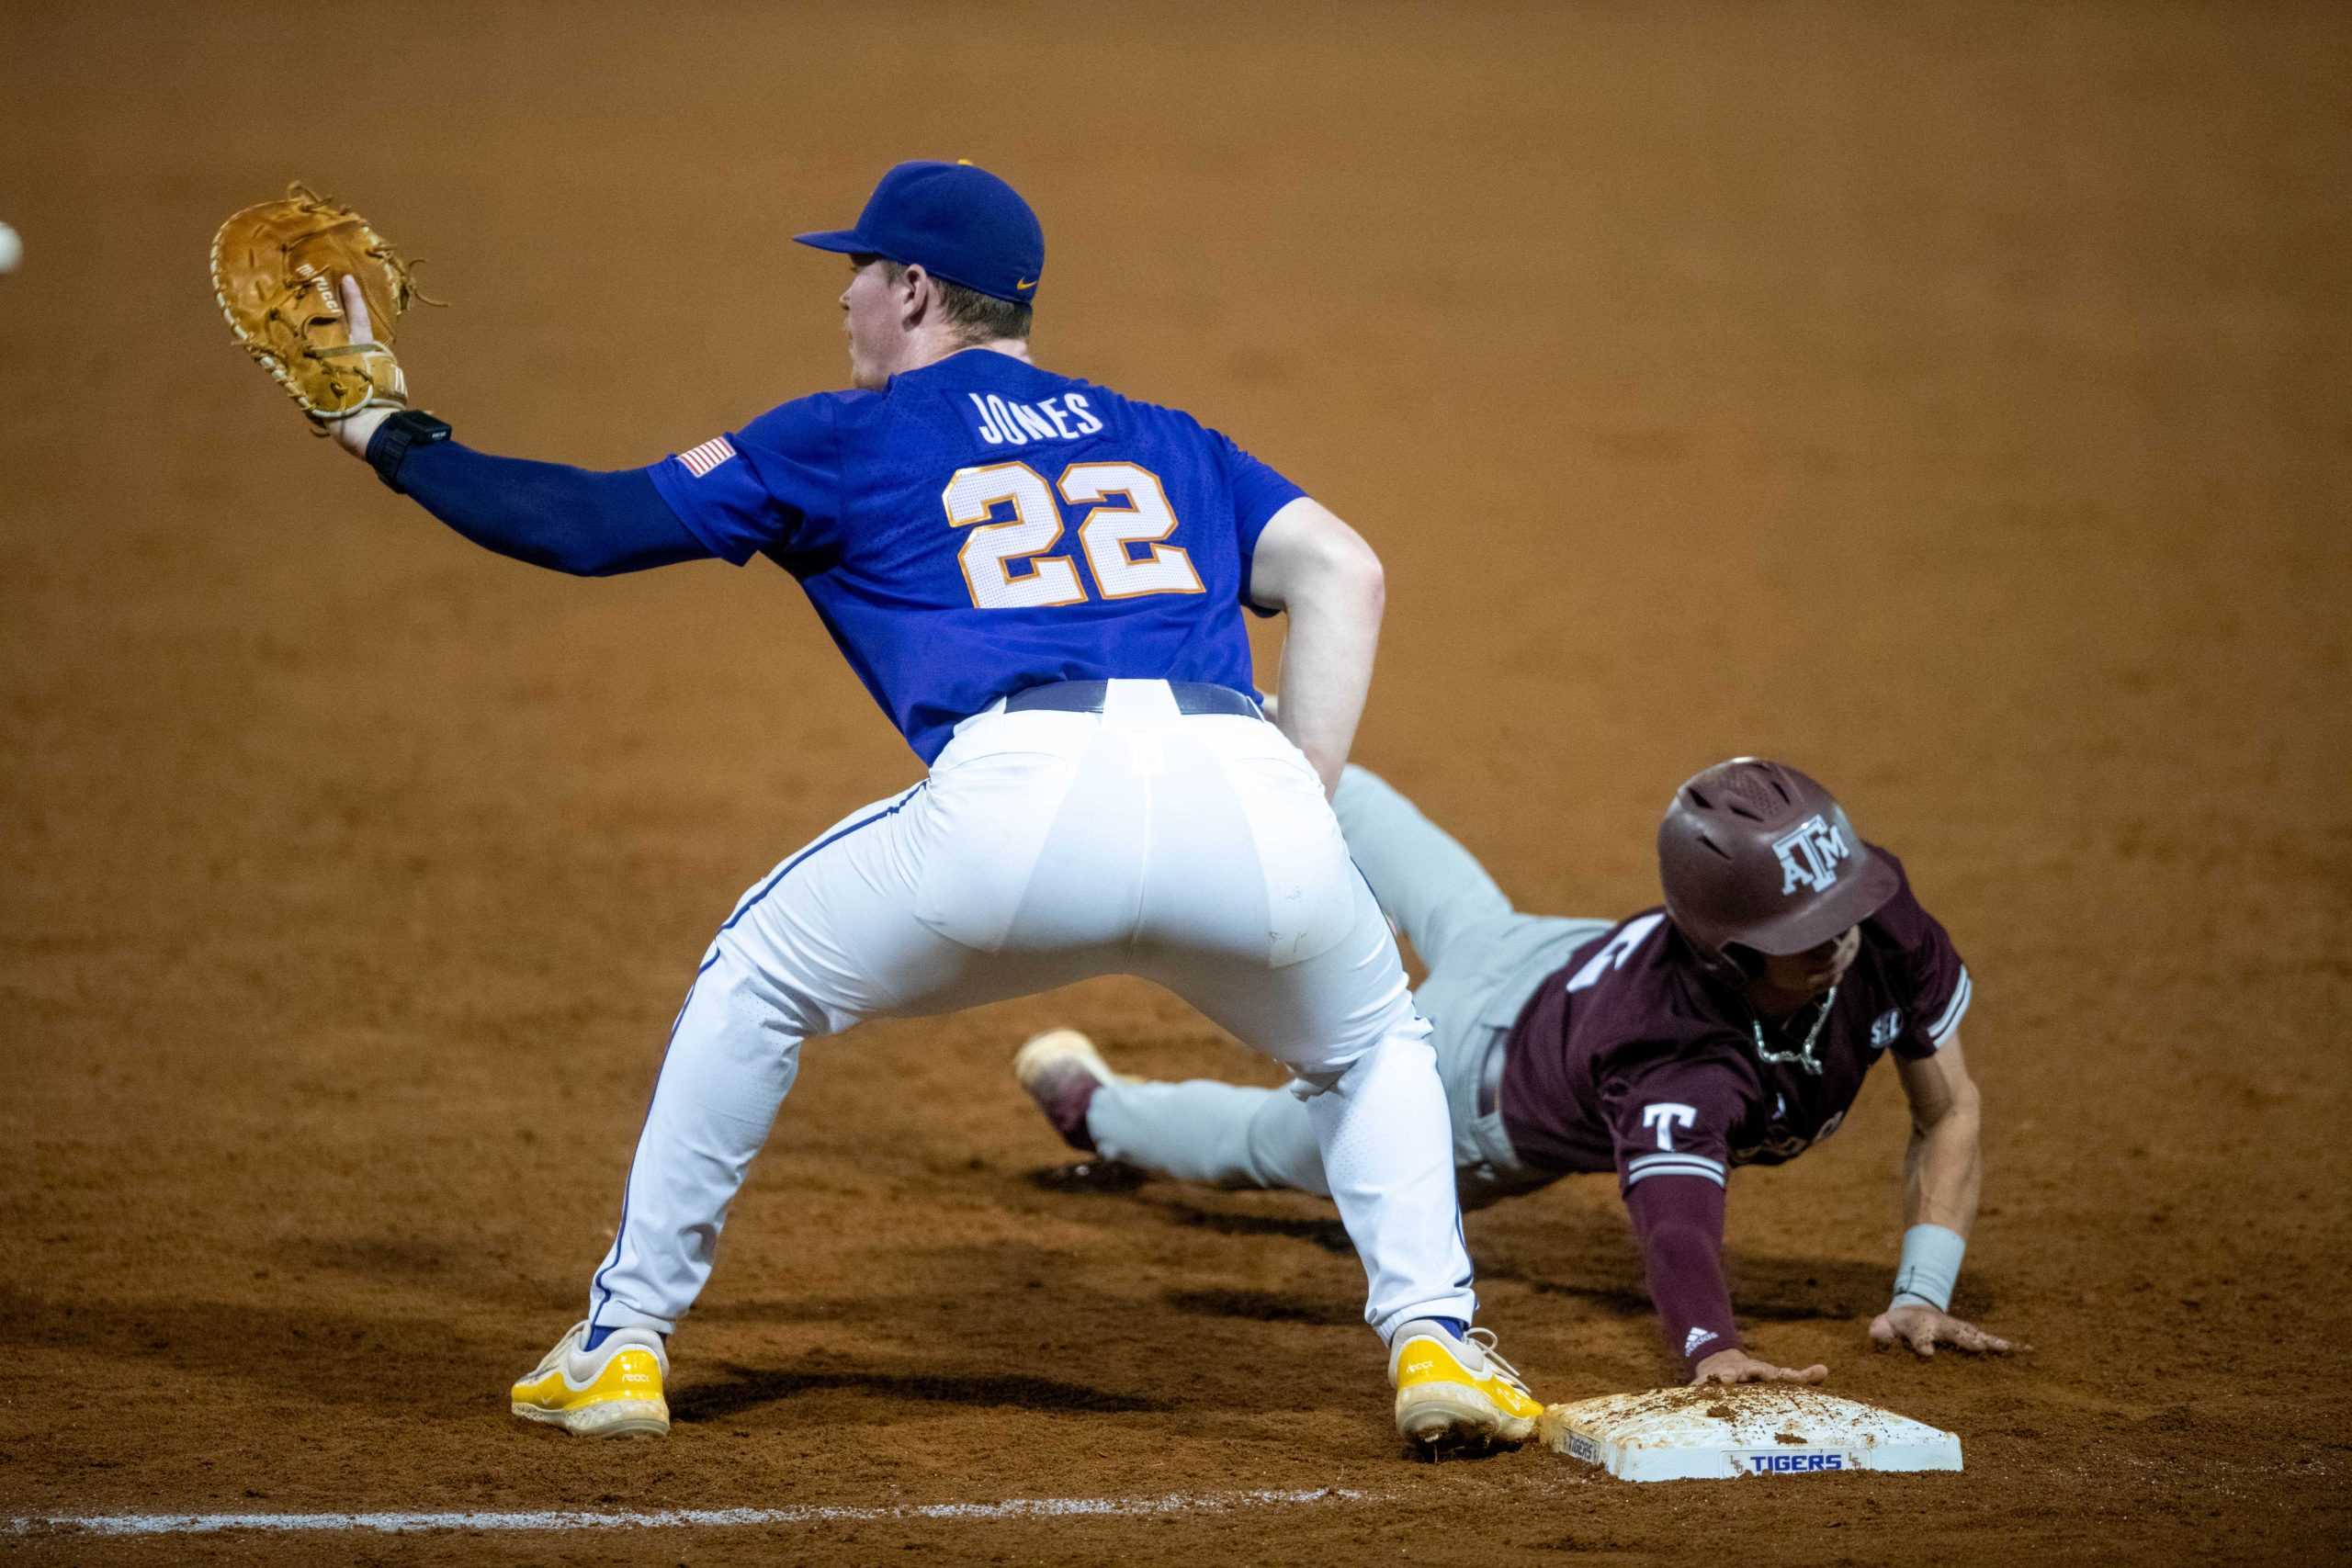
(1733, 1026)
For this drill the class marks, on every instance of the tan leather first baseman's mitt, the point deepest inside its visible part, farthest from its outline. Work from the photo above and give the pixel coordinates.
(276, 268)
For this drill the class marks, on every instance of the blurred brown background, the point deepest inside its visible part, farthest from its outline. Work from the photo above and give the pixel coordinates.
(1949, 399)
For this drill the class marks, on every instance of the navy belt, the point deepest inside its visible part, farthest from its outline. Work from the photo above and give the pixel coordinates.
(1088, 696)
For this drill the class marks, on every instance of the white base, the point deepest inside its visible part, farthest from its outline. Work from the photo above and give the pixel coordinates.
(1713, 1434)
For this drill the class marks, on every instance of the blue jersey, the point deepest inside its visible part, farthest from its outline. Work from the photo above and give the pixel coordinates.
(981, 526)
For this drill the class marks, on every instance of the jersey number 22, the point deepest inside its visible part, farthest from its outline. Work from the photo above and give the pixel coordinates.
(1004, 561)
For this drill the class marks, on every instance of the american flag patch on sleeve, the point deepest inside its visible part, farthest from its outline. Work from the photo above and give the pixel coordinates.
(708, 456)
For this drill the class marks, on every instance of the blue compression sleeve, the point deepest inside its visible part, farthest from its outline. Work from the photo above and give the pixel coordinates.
(566, 519)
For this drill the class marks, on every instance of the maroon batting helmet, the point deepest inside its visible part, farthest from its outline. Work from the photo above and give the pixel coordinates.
(1755, 854)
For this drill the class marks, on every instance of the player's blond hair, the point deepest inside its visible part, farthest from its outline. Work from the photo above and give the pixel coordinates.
(977, 317)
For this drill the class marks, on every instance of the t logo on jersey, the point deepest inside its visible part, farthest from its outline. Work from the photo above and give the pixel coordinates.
(1809, 856)
(1883, 1029)
(1665, 1117)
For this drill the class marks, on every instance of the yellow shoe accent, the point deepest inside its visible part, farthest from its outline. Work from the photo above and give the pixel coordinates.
(614, 1391)
(1441, 1399)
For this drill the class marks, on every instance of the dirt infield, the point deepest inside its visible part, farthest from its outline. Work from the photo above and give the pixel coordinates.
(1951, 402)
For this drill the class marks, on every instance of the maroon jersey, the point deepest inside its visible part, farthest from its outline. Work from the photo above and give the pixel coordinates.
(1634, 1050)
(1635, 1057)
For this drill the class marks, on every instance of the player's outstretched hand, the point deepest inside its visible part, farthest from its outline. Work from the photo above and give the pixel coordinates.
(1922, 1329)
(354, 433)
(1737, 1366)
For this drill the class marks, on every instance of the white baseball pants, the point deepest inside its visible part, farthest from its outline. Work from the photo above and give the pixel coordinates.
(1485, 960)
(1194, 851)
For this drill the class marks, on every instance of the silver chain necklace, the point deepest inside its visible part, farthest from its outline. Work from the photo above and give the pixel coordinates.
(1802, 1055)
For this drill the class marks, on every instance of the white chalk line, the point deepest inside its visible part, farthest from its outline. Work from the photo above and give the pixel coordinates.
(684, 1519)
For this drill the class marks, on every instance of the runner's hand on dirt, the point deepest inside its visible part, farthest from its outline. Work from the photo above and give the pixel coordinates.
(1735, 1365)
(354, 433)
(1922, 1329)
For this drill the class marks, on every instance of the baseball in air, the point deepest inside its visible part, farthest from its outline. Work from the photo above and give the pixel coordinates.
(12, 249)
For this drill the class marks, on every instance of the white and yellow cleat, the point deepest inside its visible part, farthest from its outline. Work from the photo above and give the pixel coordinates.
(1457, 1391)
(613, 1391)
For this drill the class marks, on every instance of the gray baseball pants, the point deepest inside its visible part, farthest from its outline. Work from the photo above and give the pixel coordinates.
(1485, 960)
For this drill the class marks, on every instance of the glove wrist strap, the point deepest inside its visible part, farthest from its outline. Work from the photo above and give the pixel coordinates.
(388, 448)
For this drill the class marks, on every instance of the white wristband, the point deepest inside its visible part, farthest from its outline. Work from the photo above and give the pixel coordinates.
(1930, 1266)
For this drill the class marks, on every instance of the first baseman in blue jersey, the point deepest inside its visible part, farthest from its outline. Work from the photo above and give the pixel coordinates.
(927, 522)
(1041, 581)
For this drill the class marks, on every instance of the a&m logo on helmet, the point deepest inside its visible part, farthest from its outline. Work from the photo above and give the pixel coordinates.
(1809, 856)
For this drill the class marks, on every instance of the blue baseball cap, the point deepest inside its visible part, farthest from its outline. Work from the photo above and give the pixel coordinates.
(954, 222)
